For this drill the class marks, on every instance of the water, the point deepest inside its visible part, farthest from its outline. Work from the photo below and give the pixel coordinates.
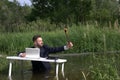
(72, 71)
(76, 68)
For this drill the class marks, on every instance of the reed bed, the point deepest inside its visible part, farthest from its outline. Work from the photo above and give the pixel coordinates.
(85, 39)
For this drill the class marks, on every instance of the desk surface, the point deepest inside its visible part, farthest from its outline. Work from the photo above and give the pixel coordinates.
(36, 59)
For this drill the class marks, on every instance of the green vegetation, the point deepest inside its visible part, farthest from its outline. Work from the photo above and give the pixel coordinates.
(87, 38)
(100, 66)
(106, 67)
(93, 26)
(75, 11)
(16, 18)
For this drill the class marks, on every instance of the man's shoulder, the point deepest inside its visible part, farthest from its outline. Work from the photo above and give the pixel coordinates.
(45, 46)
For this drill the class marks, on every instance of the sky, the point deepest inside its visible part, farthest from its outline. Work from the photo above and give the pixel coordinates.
(23, 2)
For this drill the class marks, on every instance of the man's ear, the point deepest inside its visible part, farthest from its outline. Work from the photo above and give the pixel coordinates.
(34, 43)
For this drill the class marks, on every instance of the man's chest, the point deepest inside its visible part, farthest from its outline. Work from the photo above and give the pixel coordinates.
(43, 52)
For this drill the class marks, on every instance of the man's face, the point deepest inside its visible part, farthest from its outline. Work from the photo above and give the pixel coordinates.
(38, 42)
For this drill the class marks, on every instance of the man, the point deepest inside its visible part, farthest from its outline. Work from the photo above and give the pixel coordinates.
(38, 66)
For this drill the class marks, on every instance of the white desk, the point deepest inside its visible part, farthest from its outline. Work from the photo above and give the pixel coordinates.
(58, 61)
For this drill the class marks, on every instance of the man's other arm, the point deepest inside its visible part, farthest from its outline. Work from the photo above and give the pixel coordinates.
(59, 49)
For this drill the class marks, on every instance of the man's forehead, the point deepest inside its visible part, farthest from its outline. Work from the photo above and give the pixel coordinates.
(39, 38)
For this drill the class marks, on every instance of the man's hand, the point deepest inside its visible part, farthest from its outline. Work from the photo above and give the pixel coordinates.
(22, 54)
(69, 45)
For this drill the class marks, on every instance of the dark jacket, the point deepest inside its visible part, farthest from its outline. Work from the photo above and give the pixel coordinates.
(38, 66)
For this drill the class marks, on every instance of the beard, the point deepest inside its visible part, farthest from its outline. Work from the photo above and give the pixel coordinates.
(39, 45)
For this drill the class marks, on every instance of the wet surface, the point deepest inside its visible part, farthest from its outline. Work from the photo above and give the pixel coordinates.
(76, 68)
(72, 71)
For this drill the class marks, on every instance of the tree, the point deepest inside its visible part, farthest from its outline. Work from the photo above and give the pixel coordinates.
(11, 15)
(61, 11)
(104, 10)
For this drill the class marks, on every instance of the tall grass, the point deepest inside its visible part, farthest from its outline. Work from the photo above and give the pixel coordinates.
(105, 67)
(93, 67)
(85, 39)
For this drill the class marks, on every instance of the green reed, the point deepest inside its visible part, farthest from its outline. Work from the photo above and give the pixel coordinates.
(85, 39)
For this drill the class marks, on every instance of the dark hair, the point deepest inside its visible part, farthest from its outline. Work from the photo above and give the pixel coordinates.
(35, 37)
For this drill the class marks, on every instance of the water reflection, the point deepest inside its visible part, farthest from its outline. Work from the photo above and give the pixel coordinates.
(45, 77)
(38, 76)
(73, 70)
(42, 77)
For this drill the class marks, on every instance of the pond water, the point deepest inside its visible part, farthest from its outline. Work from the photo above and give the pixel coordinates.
(76, 68)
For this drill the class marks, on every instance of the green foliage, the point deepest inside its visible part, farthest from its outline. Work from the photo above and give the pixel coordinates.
(12, 15)
(3, 64)
(85, 38)
(75, 11)
(105, 68)
(100, 66)
(63, 11)
(15, 18)
(38, 25)
(104, 10)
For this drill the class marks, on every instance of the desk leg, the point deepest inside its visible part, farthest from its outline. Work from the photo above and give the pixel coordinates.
(57, 68)
(62, 70)
(21, 66)
(10, 68)
(9, 78)
(22, 69)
